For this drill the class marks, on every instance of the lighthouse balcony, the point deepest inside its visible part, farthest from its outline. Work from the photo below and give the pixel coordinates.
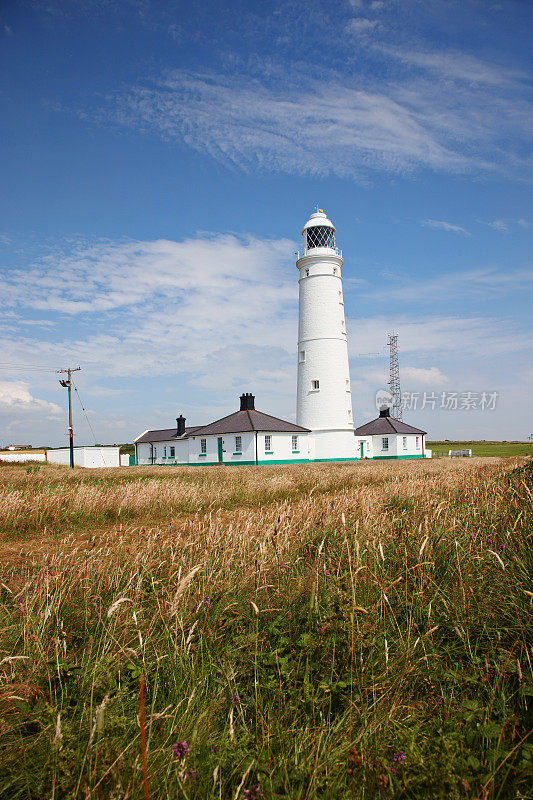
(319, 251)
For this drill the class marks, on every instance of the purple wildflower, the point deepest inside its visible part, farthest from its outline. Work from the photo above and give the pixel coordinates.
(399, 757)
(502, 548)
(207, 600)
(195, 608)
(191, 773)
(253, 793)
(235, 700)
(180, 750)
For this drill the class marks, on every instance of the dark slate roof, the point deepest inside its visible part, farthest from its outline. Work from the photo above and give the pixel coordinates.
(239, 422)
(245, 421)
(166, 435)
(384, 426)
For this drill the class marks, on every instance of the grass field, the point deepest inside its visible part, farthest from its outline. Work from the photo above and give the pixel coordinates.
(485, 448)
(324, 631)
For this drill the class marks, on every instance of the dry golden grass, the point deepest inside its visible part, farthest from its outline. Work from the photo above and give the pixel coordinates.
(339, 602)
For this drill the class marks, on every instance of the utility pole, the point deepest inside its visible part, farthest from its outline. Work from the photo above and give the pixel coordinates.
(68, 385)
(394, 378)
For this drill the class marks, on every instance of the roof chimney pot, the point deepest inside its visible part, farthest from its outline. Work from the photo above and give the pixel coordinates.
(384, 411)
(247, 402)
(180, 425)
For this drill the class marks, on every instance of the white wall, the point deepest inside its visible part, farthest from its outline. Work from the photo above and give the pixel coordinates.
(91, 457)
(396, 446)
(17, 456)
(322, 336)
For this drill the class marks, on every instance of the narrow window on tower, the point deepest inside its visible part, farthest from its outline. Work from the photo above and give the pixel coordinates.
(306, 273)
(348, 389)
(315, 385)
(335, 271)
(349, 413)
(343, 326)
(301, 357)
(340, 298)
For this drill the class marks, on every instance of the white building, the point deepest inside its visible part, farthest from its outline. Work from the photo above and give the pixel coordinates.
(386, 438)
(245, 437)
(95, 457)
(324, 398)
(324, 417)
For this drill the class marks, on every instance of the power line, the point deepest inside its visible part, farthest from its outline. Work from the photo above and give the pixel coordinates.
(88, 420)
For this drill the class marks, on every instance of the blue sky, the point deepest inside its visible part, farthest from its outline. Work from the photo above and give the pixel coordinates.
(159, 160)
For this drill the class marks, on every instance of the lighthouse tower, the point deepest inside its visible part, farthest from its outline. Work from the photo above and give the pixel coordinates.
(324, 399)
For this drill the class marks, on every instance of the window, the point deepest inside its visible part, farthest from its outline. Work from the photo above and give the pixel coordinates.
(268, 444)
(306, 273)
(203, 445)
(349, 413)
(343, 326)
(164, 452)
(418, 442)
(335, 271)
(320, 236)
(301, 357)
(315, 385)
(340, 298)
(404, 442)
(172, 452)
(238, 444)
(348, 388)
(294, 444)
(385, 443)
(155, 452)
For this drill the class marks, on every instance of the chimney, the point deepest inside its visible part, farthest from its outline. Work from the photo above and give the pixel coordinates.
(180, 425)
(384, 411)
(247, 402)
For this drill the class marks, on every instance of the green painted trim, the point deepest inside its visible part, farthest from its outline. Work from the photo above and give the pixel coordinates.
(239, 453)
(295, 451)
(269, 452)
(202, 455)
(335, 459)
(390, 458)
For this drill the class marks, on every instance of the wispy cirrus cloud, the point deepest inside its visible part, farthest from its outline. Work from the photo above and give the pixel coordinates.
(441, 224)
(337, 124)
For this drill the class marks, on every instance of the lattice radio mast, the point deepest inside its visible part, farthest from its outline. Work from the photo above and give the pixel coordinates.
(394, 379)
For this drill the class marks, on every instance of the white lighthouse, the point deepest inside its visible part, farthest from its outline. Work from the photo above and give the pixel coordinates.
(324, 399)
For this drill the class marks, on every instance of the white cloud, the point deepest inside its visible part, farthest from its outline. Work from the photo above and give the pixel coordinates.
(16, 398)
(487, 283)
(441, 224)
(421, 376)
(458, 66)
(335, 125)
(361, 25)
(499, 225)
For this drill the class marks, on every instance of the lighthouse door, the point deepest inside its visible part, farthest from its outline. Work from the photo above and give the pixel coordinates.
(220, 450)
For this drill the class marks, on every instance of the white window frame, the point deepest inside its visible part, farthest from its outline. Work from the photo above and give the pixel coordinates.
(165, 451)
(203, 445)
(348, 385)
(301, 357)
(268, 443)
(306, 273)
(418, 442)
(315, 386)
(385, 443)
(172, 452)
(294, 441)
(238, 444)
(404, 442)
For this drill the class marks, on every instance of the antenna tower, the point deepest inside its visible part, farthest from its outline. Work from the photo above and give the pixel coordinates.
(394, 378)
